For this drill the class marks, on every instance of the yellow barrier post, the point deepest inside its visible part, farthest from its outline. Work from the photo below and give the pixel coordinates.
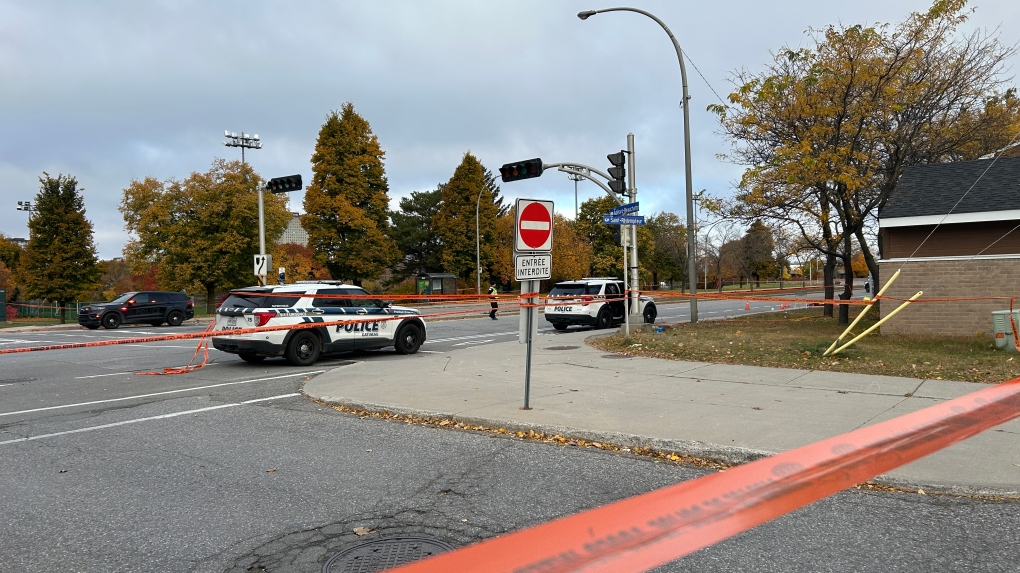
(861, 315)
(879, 323)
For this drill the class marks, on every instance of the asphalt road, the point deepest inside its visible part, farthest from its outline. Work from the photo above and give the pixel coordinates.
(230, 469)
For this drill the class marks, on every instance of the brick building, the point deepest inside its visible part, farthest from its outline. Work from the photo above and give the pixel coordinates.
(952, 231)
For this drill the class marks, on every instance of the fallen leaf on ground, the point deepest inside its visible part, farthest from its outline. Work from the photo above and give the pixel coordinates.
(363, 530)
(270, 470)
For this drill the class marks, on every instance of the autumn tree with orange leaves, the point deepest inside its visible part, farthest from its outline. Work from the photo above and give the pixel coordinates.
(826, 131)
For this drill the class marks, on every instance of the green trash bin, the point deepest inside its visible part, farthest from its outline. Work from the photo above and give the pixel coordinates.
(1003, 330)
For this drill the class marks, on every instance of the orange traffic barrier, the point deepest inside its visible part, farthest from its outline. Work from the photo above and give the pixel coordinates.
(645, 531)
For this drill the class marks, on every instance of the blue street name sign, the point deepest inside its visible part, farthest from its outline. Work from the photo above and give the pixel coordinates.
(623, 219)
(625, 209)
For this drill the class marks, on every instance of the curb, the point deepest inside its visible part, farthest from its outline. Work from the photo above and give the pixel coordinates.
(712, 452)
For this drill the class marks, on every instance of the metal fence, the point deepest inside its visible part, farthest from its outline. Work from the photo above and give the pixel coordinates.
(44, 309)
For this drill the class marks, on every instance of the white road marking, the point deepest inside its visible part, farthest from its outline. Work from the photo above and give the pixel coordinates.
(473, 342)
(470, 336)
(148, 345)
(431, 352)
(160, 393)
(148, 419)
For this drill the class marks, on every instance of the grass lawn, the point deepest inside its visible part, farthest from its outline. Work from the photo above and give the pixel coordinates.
(797, 338)
(37, 321)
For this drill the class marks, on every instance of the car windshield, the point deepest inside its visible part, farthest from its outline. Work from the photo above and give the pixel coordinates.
(260, 300)
(123, 298)
(575, 289)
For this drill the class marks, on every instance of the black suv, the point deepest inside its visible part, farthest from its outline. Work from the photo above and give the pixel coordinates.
(150, 307)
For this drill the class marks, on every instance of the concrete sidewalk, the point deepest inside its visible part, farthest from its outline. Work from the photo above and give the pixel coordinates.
(718, 411)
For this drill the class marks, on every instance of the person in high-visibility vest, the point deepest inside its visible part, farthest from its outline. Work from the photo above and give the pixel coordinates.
(493, 304)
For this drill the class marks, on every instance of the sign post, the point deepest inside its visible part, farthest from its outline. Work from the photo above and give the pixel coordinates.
(263, 263)
(533, 238)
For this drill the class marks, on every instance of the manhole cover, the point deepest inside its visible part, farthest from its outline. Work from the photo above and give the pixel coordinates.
(381, 554)
(563, 348)
(615, 356)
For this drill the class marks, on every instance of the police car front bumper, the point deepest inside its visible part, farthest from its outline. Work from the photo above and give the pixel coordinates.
(240, 346)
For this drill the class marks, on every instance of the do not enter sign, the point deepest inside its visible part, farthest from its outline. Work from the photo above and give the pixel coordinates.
(534, 225)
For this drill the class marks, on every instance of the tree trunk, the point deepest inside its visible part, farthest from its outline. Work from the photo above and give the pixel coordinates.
(869, 257)
(829, 282)
(848, 280)
(63, 318)
(210, 298)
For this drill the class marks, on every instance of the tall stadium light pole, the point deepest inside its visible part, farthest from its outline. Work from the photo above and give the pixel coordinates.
(244, 141)
(691, 250)
(27, 206)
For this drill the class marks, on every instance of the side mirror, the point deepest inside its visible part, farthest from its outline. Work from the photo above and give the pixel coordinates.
(384, 303)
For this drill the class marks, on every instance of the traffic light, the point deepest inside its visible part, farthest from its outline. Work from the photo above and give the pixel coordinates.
(284, 184)
(521, 170)
(618, 173)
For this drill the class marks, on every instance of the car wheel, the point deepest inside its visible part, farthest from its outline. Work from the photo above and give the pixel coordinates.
(175, 318)
(91, 326)
(603, 320)
(560, 327)
(156, 322)
(111, 320)
(409, 339)
(251, 358)
(649, 314)
(303, 349)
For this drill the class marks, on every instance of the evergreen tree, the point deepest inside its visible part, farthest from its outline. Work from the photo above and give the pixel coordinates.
(60, 261)
(346, 206)
(412, 230)
(455, 223)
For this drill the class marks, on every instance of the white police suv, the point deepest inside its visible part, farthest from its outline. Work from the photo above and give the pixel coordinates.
(599, 302)
(365, 322)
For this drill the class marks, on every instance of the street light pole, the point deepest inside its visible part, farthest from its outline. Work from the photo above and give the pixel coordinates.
(691, 251)
(575, 178)
(478, 246)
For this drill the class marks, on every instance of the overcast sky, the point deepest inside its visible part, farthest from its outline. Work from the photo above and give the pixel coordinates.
(114, 91)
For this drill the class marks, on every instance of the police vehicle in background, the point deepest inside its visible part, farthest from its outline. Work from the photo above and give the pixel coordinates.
(365, 322)
(598, 302)
(149, 307)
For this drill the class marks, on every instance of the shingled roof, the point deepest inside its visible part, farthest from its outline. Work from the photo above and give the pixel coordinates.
(934, 189)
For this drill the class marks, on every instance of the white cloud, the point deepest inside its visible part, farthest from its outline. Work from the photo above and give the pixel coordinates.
(111, 91)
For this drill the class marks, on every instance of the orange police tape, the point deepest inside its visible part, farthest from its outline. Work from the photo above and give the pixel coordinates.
(220, 333)
(645, 531)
